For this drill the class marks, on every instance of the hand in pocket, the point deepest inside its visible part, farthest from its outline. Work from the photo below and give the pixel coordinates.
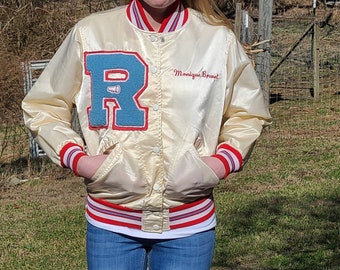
(88, 165)
(216, 165)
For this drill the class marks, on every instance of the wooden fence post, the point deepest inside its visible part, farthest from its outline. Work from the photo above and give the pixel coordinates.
(316, 60)
(315, 55)
(263, 59)
(238, 20)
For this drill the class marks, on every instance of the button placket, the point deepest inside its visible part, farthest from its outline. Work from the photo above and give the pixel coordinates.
(153, 220)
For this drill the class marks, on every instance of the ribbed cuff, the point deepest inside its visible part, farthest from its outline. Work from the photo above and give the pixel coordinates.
(70, 155)
(230, 157)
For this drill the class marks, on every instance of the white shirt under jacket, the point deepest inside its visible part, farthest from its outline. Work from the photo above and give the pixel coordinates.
(156, 102)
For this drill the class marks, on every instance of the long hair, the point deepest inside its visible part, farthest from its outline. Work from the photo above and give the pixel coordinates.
(210, 10)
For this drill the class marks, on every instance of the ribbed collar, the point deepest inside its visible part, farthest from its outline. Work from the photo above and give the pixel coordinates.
(174, 21)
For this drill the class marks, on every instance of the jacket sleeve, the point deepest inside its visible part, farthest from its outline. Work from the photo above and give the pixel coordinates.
(48, 105)
(245, 112)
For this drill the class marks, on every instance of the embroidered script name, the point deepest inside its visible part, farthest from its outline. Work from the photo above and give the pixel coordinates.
(202, 74)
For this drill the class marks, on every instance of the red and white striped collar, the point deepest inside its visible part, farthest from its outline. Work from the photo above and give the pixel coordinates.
(174, 21)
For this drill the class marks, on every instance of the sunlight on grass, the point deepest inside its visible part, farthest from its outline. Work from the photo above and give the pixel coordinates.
(292, 228)
(44, 240)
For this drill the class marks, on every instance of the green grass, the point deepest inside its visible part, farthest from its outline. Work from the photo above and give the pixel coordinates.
(44, 242)
(280, 230)
(40, 229)
(284, 219)
(281, 212)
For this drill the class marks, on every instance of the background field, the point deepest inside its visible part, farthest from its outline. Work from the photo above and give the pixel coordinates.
(281, 212)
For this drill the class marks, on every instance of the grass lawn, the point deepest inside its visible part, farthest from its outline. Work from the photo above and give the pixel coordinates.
(281, 212)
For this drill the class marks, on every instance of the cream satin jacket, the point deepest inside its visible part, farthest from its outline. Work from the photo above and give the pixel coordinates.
(156, 102)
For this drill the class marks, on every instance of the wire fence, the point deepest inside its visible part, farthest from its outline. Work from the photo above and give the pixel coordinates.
(291, 91)
(292, 84)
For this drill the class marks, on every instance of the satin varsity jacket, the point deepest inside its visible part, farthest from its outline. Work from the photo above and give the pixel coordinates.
(156, 103)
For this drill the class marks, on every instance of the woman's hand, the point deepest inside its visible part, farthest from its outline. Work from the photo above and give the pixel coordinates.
(216, 165)
(88, 165)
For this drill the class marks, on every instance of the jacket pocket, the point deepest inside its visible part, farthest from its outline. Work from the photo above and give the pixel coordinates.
(119, 177)
(111, 161)
(190, 177)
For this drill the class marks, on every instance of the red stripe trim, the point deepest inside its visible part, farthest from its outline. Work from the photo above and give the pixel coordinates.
(232, 149)
(113, 222)
(186, 15)
(124, 208)
(114, 206)
(225, 164)
(128, 11)
(75, 162)
(191, 213)
(143, 16)
(186, 206)
(100, 209)
(63, 151)
(167, 19)
(194, 222)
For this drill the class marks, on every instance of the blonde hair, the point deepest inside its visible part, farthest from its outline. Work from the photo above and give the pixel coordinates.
(212, 12)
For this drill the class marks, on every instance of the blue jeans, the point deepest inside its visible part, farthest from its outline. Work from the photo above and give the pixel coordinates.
(106, 250)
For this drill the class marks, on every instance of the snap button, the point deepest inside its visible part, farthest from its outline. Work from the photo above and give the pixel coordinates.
(155, 107)
(156, 150)
(155, 227)
(153, 38)
(156, 187)
(153, 70)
